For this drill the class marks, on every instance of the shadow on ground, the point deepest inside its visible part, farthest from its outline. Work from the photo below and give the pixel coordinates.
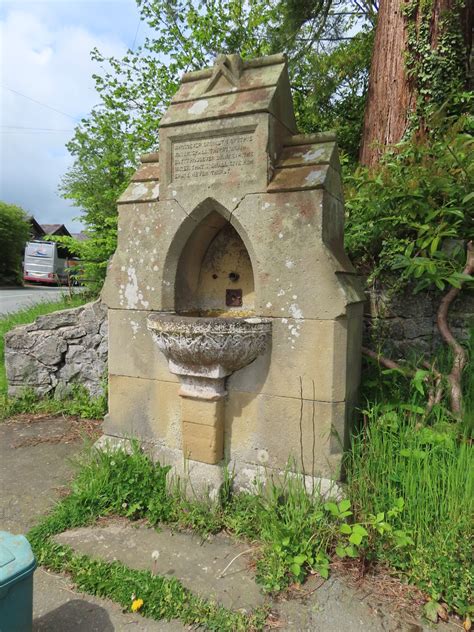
(77, 615)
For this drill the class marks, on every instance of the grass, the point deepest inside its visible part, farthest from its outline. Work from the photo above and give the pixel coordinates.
(163, 598)
(411, 499)
(77, 403)
(432, 469)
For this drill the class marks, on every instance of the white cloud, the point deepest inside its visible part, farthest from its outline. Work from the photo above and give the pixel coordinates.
(48, 61)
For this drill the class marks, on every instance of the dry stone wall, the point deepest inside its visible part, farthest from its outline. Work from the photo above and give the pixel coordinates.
(58, 350)
(406, 324)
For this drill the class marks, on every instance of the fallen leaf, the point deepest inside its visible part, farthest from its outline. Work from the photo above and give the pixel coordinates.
(430, 610)
(442, 612)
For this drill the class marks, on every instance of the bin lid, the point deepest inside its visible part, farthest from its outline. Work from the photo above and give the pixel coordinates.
(16, 557)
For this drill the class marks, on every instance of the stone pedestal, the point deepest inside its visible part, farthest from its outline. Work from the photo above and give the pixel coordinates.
(203, 352)
(203, 429)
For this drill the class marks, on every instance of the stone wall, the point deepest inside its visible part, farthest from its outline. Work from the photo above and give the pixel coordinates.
(407, 323)
(57, 350)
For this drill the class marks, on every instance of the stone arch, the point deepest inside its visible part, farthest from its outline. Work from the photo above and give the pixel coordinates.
(209, 262)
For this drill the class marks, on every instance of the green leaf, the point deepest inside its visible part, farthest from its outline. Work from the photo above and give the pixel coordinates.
(358, 528)
(434, 245)
(345, 529)
(356, 538)
(344, 505)
(323, 571)
(400, 503)
(468, 197)
(332, 508)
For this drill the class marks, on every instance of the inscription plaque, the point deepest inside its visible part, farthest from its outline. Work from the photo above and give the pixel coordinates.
(212, 157)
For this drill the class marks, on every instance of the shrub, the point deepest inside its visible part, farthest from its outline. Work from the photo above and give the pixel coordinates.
(410, 211)
(14, 232)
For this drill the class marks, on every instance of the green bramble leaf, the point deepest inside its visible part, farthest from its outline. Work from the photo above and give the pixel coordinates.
(356, 538)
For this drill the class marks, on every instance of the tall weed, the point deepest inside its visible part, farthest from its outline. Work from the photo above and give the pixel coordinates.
(432, 469)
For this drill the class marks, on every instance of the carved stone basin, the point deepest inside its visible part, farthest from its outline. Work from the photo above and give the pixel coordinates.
(203, 351)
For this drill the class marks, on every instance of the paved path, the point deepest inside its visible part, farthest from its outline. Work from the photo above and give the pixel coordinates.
(15, 299)
(36, 464)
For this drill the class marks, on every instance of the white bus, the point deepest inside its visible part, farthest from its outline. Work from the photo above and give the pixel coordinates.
(45, 262)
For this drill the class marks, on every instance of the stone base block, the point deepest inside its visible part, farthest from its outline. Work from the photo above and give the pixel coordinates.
(203, 429)
(198, 411)
(146, 409)
(202, 442)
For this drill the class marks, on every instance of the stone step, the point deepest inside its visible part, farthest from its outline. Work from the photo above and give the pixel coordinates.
(197, 563)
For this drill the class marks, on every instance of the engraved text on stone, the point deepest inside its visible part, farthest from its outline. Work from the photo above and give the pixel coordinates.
(212, 157)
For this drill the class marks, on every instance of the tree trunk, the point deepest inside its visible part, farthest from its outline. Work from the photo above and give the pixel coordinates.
(390, 97)
(392, 94)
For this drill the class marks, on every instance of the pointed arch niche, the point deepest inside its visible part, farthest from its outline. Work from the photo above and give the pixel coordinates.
(214, 274)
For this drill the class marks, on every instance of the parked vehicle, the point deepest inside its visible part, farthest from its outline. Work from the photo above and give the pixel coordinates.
(45, 262)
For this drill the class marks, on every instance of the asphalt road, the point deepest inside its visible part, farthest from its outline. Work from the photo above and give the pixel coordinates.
(15, 299)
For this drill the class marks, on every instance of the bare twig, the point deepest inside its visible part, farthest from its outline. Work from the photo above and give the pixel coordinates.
(436, 389)
(386, 362)
(301, 426)
(232, 561)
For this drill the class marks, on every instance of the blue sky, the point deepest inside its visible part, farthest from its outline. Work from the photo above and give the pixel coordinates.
(45, 61)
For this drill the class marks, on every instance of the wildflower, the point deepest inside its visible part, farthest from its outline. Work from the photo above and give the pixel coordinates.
(137, 604)
(154, 556)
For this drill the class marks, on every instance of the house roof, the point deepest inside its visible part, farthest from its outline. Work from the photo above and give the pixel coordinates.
(55, 229)
(80, 236)
(36, 229)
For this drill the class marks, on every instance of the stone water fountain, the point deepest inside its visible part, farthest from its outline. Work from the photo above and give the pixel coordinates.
(235, 315)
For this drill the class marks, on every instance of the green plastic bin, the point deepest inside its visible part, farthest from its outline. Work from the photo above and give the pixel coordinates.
(17, 564)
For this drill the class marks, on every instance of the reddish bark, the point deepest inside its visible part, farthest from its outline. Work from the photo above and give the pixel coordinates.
(389, 98)
(391, 94)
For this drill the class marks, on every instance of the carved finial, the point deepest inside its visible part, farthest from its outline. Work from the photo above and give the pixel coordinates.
(228, 66)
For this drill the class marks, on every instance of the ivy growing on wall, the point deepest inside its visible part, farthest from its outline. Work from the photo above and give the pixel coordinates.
(435, 57)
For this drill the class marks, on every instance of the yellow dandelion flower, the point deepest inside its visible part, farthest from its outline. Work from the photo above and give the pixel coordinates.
(137, 604)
